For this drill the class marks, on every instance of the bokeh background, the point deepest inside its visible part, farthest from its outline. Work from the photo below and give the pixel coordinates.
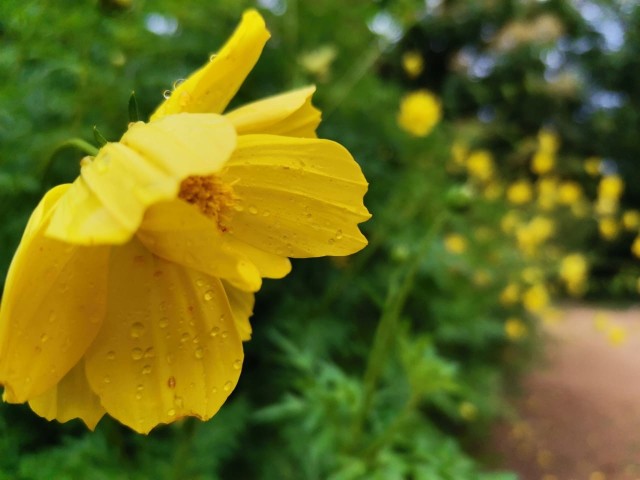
(500, 140)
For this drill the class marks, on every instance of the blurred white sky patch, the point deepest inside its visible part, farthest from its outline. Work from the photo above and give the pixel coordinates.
(277, 7)
(161, 25)
(604, 21)
(386, 26)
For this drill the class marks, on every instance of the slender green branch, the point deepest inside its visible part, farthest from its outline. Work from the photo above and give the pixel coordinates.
(75, 143)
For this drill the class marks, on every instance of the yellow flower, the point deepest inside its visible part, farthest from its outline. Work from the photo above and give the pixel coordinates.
(635, 247)
(608, 228)
(510, 221)
(515, 328)
(547, 193)
(616, 335)
(573, 272)
(569, 192)
(520, 192)
(548, 141)
(131, 289)
(535, 298)
(510, 295)
(592, 166)
(631, 219)
(480, 165)
(412, 63)
(420, 111)
(542, 162)
(468, 411)
(318, 62)
(455, 243)
(610, 187)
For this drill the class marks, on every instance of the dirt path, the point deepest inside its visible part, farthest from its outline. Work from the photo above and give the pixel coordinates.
(580, 416)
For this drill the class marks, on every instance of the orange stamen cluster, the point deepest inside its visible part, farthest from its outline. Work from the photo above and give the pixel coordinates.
(213, 197)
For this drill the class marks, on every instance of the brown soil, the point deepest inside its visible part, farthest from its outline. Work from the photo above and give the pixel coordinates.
(580, 416)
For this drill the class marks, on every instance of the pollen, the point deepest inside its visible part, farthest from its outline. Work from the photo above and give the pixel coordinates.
(213, 197)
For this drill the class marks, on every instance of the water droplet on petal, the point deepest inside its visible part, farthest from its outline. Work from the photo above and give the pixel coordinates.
(140, 387)
(146, 370)
(166, 94)
(237, 364)
(266, 213)
(107, 379)
(171, 412)
(177, 83)
(208, 295)
(111, 355)
(224, 334)
(214, 332)
(199, 353)
(136, 353)
(44, 337)
(227, 386)
(149, 353)
(212, 56)
(200, 282)
(184, 338)
(163, 322)
(253, 210)
(179, 402)
(170, 359)
(171, 382)
(137, 330)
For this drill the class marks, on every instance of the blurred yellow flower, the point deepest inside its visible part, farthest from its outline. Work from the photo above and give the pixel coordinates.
(635, 247)
(569, 192)
(631, 219)
(606, 206)
(608, 228)
(412, 63)
(547, 192)
(616, 335)
(543, 162)
(510, 294)
(532, 274)
(548, 141)
(520, 192)
(318, 62)
(515, 329)
(492, 190)
(536, 298)
(420, 111)
(455, 243)
(459, 152)
(480, 165)
(573, 272)
(131, 290)
(592, 166)
(510, 221)
(610, 187)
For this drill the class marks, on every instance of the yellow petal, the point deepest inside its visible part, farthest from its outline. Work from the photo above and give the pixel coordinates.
(69, 399)
(211, 88)
(288, 114)
(168, 348)
(298, 197)
(107, 202)
(178, 232)
(241, 303)
(52, 308)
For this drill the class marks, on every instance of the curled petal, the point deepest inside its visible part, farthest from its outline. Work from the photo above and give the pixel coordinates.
(241, 303)
(290, 114)
(70, 398)
(169, 347)
(298, 197)
(107, 202)
(211, 88)
(52, 308)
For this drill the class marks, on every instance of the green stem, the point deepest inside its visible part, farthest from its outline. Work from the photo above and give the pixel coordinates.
(400, 286)
(76, 143)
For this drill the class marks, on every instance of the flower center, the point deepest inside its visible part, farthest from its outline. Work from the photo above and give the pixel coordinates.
(213, 197)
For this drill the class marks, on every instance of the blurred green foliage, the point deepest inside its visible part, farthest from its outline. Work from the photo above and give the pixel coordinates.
(393, 363)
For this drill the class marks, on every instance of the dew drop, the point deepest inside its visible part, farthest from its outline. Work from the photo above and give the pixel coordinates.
(136, 353)
(214, 390)
(253, 210)
(184, 338)
(177, 83)
(179, 402)
(149, 353)
(214, 332)
(199, 353)
(138, 396)
(44, 337)
(238, 208)
(171, 412)
(137, 330)
(171, 382)
(339, 235)
(212, 57)
(166, 94)
(237, 364)
(107, 379)
(146, 370)
(227, 386)
(200, 282)
(111, 355)
(170, 359)
(163, 322)
(266, 213)
(208, 295)
(140, 387)
(224, 334)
